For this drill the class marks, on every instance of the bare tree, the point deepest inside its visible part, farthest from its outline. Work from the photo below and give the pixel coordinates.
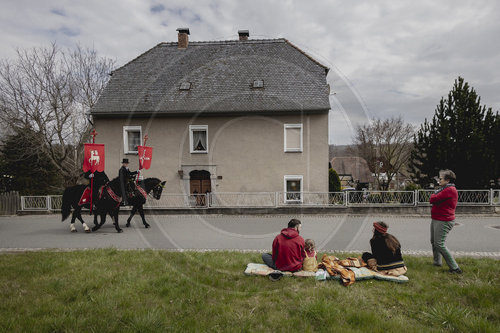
(386, 146)
(50, 92)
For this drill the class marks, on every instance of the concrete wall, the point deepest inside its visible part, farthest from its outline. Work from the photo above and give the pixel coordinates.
(245, 153)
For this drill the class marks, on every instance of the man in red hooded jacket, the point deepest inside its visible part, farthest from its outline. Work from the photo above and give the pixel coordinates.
(288, 249)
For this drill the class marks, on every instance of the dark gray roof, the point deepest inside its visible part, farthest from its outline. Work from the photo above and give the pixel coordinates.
(221, 76)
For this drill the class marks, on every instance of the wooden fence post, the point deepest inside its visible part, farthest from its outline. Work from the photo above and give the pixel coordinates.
(9, 203)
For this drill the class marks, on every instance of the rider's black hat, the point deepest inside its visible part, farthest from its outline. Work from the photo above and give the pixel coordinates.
(125, 160)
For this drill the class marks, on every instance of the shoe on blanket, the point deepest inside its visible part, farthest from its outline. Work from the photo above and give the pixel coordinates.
(275, 275)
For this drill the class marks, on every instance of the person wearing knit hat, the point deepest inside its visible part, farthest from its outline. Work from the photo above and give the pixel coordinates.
(379, 226)
(386, 255)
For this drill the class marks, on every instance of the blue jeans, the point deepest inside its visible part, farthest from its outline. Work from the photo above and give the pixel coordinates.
(439, 231)
(268, 260)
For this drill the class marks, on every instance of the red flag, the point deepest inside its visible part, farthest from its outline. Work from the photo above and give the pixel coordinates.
(93, 159)
(145, 156)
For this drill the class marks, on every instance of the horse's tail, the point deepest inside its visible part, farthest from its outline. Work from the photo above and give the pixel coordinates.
(66, 204)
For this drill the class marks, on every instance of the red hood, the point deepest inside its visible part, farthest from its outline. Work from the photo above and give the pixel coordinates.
(289, 233)
(288, 250)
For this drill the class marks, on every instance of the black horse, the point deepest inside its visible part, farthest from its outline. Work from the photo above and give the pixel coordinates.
(138, 200)
(71, 198)
(109, 203)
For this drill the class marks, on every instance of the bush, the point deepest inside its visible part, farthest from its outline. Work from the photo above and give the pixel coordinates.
(412, 187)
(333, 181)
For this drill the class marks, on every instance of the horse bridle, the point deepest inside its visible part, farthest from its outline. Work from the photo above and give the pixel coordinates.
(153, 190)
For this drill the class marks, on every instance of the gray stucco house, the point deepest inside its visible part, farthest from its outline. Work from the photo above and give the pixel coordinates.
(222, 116)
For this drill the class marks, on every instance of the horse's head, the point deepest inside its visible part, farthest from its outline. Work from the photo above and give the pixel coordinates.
(158, 189)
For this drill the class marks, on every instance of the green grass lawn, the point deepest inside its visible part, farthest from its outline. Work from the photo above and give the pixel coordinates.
(153, 291)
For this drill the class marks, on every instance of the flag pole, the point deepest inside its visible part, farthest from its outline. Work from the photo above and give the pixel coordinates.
(139, 171)
(93, 133)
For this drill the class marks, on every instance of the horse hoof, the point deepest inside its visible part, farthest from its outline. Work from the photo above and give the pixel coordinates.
(147, 226)
(87, 231)
(127, 225)
(94, 229)
(74, 230)
(119, 230)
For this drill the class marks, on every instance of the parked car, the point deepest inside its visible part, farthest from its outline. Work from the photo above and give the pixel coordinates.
(348, 189)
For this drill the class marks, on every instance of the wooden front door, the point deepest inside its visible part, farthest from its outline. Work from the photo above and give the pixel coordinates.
(200, 186)
(199, 183)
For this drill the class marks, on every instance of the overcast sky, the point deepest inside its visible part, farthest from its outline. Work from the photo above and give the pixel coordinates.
(387, 58)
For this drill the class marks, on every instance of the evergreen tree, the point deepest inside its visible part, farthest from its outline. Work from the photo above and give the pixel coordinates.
(32, 172)
(334, 181)
(463, 136)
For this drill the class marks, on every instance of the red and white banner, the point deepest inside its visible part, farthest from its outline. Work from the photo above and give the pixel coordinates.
(93, 159)
(145, 156)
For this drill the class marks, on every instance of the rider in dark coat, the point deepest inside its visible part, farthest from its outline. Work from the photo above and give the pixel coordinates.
(125, 175)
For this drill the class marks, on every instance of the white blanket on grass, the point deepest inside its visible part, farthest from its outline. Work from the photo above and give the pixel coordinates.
(360, 274)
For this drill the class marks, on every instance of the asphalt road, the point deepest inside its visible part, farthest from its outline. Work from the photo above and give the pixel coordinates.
(474, 236)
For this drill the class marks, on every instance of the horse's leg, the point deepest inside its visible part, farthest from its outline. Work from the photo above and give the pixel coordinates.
(99, 225)
(141, 211)
(85, 226)
(96, 224)
(117, 227)
(79, 217)
(73, 218)
(132, 213)
(103, 219)
(95, 219)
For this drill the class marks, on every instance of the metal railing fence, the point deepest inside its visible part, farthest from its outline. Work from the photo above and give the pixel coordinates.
(240, 199)
(168, 200)
(474, 197)
(322, 199)
(423, 196)
(285, 199)
(41, 203)
(495, 197)
(385, 198)
(465, 197)
(55, 202)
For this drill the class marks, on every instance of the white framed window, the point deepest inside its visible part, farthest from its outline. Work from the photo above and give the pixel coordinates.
(258, 84)
(131, 139)
(185, 86)
(293, 188)
(198, 139)
(293, 138)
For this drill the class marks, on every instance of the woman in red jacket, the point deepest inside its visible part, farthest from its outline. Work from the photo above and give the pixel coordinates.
(444, 201)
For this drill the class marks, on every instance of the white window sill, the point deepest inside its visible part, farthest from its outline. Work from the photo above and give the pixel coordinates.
(293, 201)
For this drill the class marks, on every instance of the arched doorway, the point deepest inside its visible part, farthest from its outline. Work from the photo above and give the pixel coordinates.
(199, 183)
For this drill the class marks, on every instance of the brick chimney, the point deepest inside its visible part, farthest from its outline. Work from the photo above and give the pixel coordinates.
(183, 38)
(244, 34)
